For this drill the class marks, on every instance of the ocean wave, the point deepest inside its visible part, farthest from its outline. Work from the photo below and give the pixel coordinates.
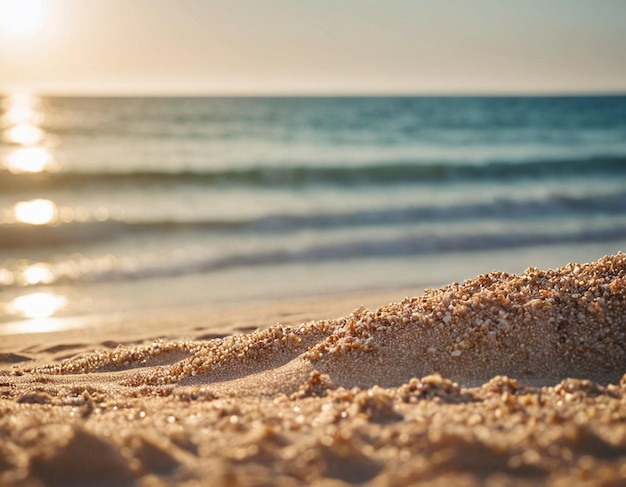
(81, 232)
(383, 173)
(112, 270)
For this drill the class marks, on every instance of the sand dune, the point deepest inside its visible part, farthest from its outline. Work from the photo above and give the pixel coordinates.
(540, 327)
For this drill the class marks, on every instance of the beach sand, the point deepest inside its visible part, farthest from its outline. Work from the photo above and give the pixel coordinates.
(502, 379)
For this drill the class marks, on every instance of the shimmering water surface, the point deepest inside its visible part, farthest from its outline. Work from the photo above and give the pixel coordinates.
(115, 204)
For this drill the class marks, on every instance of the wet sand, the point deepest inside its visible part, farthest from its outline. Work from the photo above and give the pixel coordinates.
(502, 378)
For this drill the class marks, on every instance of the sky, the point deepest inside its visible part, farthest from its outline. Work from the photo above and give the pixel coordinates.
(315, 47)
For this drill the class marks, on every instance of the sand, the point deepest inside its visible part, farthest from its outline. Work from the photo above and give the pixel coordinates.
(501, 379)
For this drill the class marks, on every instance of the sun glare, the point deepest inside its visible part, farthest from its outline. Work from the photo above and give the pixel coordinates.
(25, 134)
(21, 108)
(35, 212)
(37, 305)
(38, 274)
(29, 160)
(21, 18)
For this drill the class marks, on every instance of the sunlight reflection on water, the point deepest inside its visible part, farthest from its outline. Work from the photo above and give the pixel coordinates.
(35, 212)
(19, 114)
(38, 274)
(22, 121)
(36, 305)
(21, 108)
(29, 160)
(25, 134)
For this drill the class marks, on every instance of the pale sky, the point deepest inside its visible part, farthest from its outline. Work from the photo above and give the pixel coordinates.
(313, 46)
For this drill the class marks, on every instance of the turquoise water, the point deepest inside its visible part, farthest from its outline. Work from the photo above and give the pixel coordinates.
(132, 203)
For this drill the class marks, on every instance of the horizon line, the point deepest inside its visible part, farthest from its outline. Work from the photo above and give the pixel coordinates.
(131, 93)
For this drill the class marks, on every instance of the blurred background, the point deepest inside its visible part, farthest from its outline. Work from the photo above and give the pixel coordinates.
(172, 154)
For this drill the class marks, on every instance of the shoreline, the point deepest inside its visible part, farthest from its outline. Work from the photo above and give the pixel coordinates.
(189, 322)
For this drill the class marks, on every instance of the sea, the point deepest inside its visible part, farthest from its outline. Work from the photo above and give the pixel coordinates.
(114, 205)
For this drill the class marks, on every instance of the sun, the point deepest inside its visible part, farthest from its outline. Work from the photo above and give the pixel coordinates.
(21, 18)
